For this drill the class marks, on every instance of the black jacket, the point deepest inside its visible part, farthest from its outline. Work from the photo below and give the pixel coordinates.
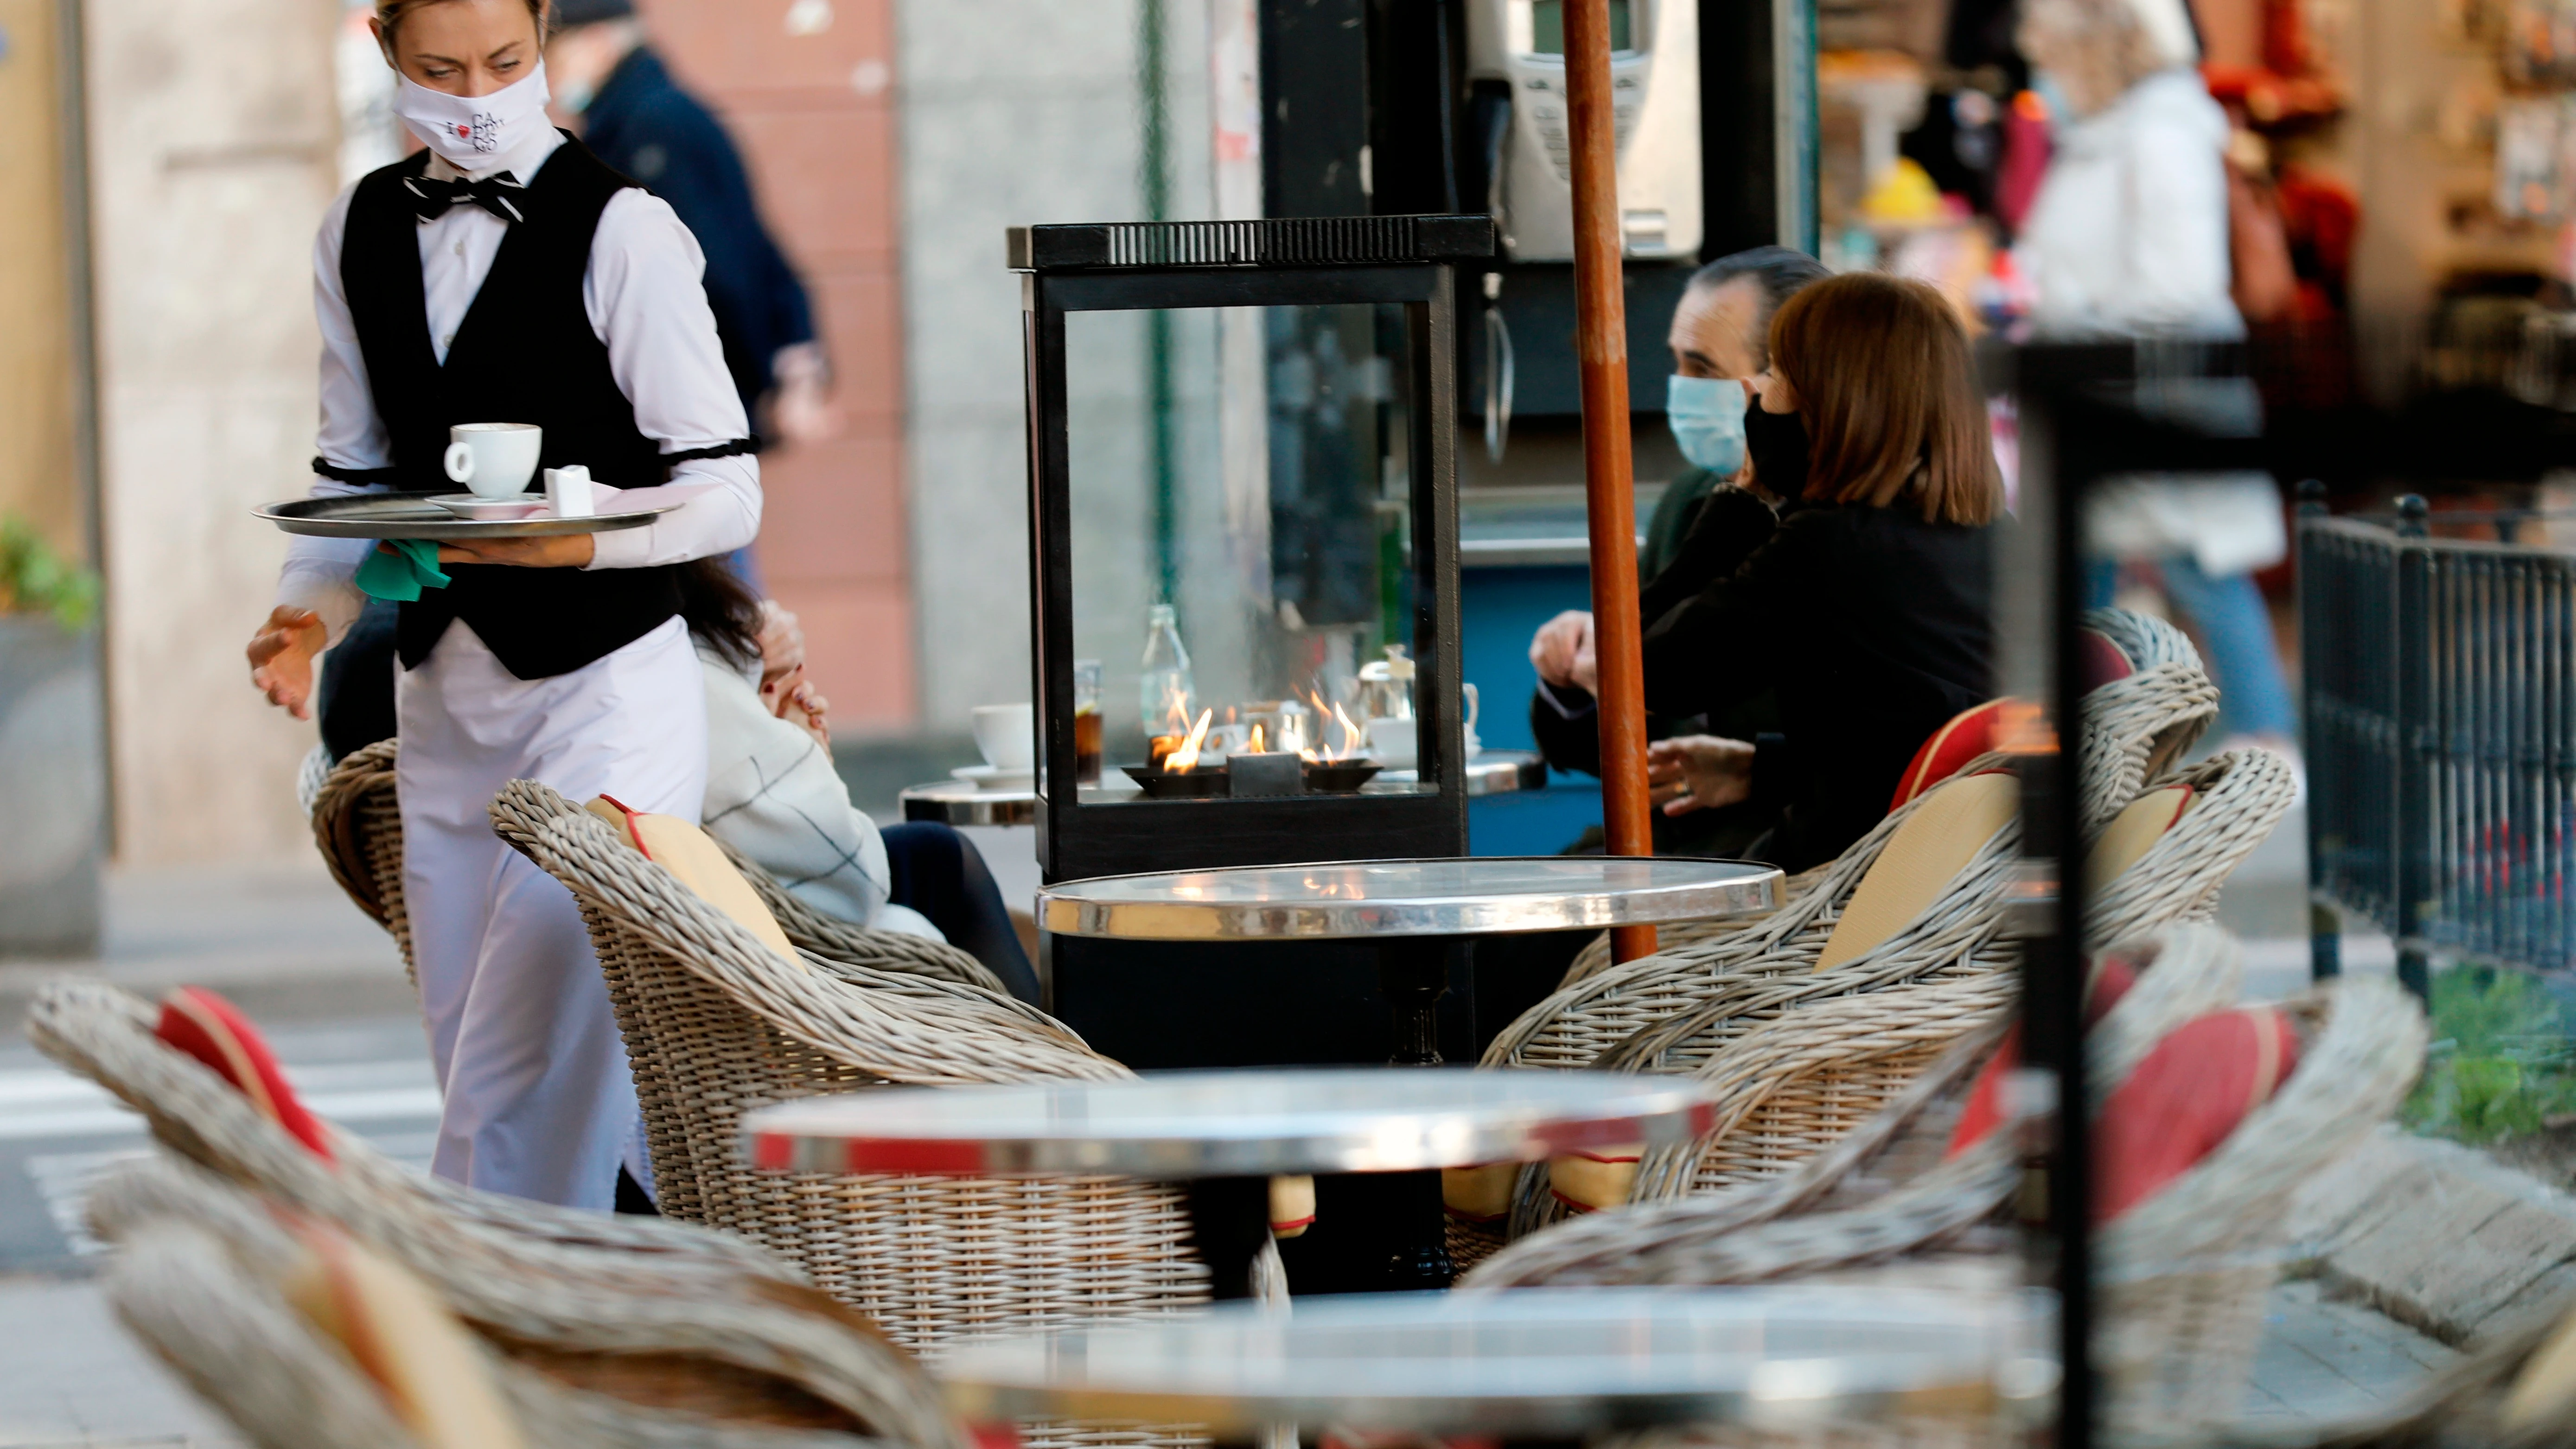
(1873, 628)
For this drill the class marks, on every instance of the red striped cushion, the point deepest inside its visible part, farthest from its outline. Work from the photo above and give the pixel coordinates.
(212, 1030)
(1969, 733)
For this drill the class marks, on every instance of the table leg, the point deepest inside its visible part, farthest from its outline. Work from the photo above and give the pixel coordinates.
(1413, 974)
(1229, 1223)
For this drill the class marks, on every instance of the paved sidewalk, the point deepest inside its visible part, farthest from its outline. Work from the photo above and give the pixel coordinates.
(69, 1376)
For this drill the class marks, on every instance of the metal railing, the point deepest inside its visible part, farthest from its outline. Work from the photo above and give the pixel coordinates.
(2440, 698)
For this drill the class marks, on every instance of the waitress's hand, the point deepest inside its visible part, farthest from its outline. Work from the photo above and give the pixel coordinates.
(559, 551)
(1699, 772)
(281, 658)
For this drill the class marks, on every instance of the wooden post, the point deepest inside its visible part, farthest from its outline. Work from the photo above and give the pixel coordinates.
(1601, 341)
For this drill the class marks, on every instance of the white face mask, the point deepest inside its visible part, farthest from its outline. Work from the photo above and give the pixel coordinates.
(469, 131)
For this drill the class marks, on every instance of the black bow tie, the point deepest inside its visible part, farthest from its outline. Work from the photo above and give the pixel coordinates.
(500, 194)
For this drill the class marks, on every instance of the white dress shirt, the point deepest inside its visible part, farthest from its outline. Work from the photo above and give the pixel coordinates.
(646, 300)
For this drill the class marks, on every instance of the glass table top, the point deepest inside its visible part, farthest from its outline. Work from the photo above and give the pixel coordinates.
(1454, 897)
(1229, 1123)
(1552, 1363)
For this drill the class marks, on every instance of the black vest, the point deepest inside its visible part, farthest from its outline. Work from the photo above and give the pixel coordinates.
(524, 354)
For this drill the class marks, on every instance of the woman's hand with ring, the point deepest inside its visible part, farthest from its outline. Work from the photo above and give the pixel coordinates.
(1699, 772)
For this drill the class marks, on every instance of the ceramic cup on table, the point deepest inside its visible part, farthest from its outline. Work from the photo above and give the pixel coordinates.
(1391, 742)
(494, 460)
(1007, 734)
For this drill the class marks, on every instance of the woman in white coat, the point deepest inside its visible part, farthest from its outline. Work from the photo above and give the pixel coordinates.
(506, 275)
(2128, 238)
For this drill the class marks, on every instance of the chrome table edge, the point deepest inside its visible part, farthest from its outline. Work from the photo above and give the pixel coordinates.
(1320, 918)
(962, 802)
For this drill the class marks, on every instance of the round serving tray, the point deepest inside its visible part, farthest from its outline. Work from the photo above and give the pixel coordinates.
(412, 515)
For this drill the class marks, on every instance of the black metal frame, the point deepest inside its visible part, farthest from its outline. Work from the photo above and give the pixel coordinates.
(1404, 261)
(2084, 416)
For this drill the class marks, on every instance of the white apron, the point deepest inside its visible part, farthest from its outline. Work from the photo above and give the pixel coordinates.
(538, 1101)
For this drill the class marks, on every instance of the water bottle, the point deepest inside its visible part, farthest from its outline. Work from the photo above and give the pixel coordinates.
(1166, 699)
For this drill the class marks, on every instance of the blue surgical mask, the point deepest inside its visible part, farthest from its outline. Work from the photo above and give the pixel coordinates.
(1707, 418)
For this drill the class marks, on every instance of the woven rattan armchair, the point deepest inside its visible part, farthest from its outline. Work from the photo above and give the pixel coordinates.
(2183, 1275)
(2185, 972)
(106, 1034)
(358, 825)
(716, 1022)
(359, 828)
(1809, 1054)
(739, 1349)
(205, 1295)
(2138, 728)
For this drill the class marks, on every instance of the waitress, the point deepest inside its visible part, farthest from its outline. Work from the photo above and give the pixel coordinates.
(507, 275)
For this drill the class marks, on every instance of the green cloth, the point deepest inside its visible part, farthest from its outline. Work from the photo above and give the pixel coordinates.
(399, 569)
(1671, 521)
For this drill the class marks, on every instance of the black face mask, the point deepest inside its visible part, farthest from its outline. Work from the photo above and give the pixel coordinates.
(1777, 443)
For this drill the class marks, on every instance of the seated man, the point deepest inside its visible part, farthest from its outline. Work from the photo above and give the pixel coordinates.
(1708, 520)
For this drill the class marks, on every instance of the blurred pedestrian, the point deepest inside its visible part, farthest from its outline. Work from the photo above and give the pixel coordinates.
(2128, 237)
(613, 89)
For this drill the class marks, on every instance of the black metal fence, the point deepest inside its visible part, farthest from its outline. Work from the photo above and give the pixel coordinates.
(2440, 697)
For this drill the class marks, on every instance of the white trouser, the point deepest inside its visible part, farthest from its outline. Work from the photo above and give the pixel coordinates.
(538, 1102)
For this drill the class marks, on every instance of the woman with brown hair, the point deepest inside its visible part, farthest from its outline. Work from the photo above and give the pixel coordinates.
(1867, 609)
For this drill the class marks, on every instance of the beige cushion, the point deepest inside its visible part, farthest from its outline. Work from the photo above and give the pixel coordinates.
(2134, 832)
(404, 1339)
(1947, 829)
(696, 861)
(2545, 1391)
(1479, 1194)
(1591, 1181)
(1292, 1206)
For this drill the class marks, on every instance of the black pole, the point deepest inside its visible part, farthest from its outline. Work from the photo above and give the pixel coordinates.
(2325, 923)
(2059, 460)
(2416, 746)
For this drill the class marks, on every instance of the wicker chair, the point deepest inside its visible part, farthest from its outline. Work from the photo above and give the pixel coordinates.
(1803, 1079)
(2139, 727)
(207, 1298)
(2135, 729)
(742, 1350)
(359, 827)
(2183, 1275)
(2187, 971)
(105, 1034)
(715, 1022)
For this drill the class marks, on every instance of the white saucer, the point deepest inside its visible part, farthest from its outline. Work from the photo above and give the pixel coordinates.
(468, 505)
(994, 777)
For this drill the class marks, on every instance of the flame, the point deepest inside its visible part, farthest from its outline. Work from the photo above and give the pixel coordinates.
(1176, 709)
(1186, 758)
(1354, 739)
(1254, 746)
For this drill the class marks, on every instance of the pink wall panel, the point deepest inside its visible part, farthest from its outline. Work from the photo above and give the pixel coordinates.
(814, 118)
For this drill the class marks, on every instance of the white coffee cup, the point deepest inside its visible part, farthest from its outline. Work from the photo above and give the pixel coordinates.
(1008, 735)
(1391, 743)
(568, 492)
(494, 460)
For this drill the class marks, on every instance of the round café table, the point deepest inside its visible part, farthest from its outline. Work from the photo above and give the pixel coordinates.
(962, 802)
(1411, 910)
(1231, 1131)
(1555, 1365)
